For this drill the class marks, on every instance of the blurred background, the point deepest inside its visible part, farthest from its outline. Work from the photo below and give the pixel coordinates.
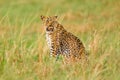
(24, 54)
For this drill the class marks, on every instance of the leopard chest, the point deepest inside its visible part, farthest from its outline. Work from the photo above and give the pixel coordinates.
(49, 40)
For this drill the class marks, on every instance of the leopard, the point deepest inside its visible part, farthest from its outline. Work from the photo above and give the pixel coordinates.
(62, 42)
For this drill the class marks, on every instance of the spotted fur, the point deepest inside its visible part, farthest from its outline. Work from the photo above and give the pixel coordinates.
(60, 41)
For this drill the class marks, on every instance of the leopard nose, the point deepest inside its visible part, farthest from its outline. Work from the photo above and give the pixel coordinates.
(49, 29)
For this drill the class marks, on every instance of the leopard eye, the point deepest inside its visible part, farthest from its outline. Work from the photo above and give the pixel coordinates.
(47, 21)
(50, 19)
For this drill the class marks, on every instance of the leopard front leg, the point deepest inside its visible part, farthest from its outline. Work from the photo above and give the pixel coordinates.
(55, 51)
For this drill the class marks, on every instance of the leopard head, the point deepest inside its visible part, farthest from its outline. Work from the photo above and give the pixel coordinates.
(50, 23)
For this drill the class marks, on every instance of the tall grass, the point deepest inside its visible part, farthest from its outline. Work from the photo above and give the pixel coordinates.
(24, 54)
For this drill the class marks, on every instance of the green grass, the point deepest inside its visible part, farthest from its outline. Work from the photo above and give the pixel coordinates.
(24, 54)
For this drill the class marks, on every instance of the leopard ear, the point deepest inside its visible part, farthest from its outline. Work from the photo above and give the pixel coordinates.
(55, 17)
(42, 17)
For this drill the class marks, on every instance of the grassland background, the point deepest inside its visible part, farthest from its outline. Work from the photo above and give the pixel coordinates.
(24, 54)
